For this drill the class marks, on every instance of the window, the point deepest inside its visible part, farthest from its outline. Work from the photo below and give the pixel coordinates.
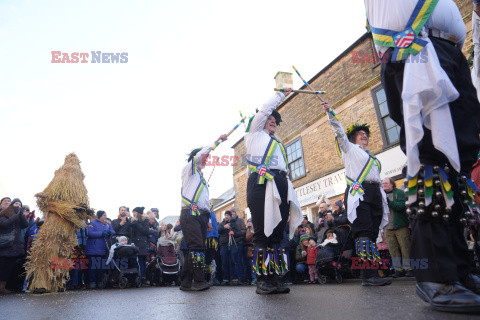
(295, 159)
(390, 130)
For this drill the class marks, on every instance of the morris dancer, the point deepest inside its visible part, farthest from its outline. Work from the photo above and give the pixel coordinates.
(270, 196)
(366, 202)
(194, 218)
(431, 96)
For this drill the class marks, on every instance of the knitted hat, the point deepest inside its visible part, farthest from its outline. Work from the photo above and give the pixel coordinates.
(139, 209)
(16, 200)
(304, 236)
(339, 203)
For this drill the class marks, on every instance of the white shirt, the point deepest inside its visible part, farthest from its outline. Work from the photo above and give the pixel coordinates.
(190, 181)
(257, 139)
(394, 15)
(354, 157)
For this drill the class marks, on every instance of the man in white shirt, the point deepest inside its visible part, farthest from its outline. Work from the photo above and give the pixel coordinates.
(366, 203)
(194, 218)
(270, 196)
(435, 103)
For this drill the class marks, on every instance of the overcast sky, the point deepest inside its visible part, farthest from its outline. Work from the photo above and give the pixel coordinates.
(192, 65)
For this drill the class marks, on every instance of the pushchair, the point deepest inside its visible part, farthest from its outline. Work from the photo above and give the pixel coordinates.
(334, 260)
(165, 267)
(124, 267)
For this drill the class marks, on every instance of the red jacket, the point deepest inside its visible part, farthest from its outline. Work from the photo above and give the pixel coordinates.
(311, 255)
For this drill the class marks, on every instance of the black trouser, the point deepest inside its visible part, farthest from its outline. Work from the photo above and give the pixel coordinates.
(256, 204)
(6, 267)
(369, 212)
(194, 229)
(441, 243)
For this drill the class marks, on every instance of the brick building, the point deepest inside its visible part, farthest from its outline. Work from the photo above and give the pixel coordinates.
(352, 83)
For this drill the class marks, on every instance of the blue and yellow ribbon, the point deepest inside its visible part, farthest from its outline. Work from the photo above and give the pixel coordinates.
(388, 38)
(356, 185)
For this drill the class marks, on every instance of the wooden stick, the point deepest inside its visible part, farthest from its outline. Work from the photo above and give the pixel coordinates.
(230, 132)
(310, 87)
(301, 91)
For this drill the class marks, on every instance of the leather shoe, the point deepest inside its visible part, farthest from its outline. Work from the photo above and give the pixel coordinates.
(280, 284)
(398, 274)
(472, 282)
(409, 274)
(265, 286)
(448, 297)
(200, 286)
(375, 281)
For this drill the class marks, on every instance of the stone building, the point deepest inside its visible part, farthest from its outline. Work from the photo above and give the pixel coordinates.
(352, 83)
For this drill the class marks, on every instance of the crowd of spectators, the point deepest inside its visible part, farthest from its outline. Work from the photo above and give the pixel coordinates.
(229, 243)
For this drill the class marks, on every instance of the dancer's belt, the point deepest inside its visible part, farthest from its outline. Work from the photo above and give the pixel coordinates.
(279, 172)
(435, 33)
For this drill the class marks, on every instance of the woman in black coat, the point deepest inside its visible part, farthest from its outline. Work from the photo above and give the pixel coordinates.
(11, 219)
(140, 230)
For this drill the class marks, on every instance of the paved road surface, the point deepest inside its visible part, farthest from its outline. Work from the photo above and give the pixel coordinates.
(331, 301)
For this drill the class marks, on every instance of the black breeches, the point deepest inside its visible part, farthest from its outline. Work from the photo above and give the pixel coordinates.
(256, 204)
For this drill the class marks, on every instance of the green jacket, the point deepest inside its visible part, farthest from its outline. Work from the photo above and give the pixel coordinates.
(397, 205)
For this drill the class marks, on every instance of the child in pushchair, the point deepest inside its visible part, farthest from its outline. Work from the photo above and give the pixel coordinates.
(331, 262)
(123, 259)
(165, 268)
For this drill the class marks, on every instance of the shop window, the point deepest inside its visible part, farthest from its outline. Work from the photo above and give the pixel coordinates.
(389, 129)
(295, 159)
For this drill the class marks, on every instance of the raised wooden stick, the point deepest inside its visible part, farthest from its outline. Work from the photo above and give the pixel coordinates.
(310, 87)
(230, 132)
(301, 91)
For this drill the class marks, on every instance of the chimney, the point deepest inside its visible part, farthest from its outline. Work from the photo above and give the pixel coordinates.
(283, 80)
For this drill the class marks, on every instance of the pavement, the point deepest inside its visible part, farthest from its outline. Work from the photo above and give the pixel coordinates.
(348, 300)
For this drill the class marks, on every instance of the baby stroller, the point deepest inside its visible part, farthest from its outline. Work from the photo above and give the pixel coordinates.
(125, 267)
(165, 267)
(333, 260)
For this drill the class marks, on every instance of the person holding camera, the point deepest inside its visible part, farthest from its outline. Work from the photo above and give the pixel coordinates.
(122, 225)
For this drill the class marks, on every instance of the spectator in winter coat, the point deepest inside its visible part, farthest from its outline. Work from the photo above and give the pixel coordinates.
(152, 236)
(123, 225)
(311, 257)
(397, 232)
(301, 256)
(140, 231)
(12, 221)
(230, 232)
(98, 233)
(79, 260)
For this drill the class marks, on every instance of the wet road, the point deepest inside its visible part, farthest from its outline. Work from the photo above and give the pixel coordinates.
(331, 301)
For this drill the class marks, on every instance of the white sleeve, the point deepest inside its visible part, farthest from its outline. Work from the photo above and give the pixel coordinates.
(265, 111)
(342, 139)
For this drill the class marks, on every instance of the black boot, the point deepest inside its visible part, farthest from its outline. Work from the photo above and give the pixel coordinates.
(449, 297)
(280, 284)
(187, 273)
(472, 282)
(265, 285)
(199, 283)
(369, 271)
